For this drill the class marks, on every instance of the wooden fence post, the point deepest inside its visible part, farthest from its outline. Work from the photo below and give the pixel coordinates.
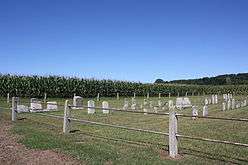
(14, 108)
(173, 149)
(7, 97)
(66, 124)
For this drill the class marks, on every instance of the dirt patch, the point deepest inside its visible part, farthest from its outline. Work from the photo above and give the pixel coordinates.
(164, 155)
(12, 152)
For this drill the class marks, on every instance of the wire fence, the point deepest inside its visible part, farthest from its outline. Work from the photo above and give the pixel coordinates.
(173, 123)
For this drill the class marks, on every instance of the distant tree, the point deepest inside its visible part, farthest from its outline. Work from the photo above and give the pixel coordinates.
(228, 80)
(159, 81)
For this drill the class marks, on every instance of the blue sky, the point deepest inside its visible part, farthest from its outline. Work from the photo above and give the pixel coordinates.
(136, 40)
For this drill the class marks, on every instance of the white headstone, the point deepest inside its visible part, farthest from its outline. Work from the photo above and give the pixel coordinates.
(245, 102)
(35, 105)
(179, 103)
(91, 105)
(159, 103)
(22, 108)
(156, 109)
(105, 106)
(216, 99)
(77, 102)
(213, 99)
(125, 107)
(151, 104)
(209, 101)
(206, 101)
(223, 106)
(145, 107)
(194, 112)
(205, 111)
(229, 103)
(133, 106)
(183, 102)
(148, 95)
(117, 96)
(52, 105)
(233, 103)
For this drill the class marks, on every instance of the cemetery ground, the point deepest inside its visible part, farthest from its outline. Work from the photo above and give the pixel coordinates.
(92, 144)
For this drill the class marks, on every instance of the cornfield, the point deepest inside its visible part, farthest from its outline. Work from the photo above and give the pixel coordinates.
(55, 86)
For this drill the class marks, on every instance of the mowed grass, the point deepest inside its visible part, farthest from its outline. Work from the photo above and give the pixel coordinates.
(105, 145)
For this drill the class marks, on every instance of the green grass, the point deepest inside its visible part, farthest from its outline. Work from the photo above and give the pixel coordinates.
(98, 145)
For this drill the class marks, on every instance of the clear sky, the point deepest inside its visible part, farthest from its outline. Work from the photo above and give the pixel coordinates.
(137, 40)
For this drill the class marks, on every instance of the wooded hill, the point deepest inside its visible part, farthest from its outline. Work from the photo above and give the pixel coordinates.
(227, 79)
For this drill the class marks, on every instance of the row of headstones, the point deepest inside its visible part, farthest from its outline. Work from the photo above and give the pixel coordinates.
(36, 106)
(134, 96)
(212, 100)
(195, 111)
(227, 97)
(78, 104)
(232, 104)
(147, 104)
(183, 102)
(147, 95)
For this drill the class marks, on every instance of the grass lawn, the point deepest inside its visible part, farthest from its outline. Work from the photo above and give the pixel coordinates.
(104, 145)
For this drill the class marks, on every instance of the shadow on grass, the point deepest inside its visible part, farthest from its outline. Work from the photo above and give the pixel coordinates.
(208, 155)
(22, 118)
(184, 151)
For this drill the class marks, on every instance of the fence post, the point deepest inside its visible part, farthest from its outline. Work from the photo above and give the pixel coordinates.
(14, 108)
(45, 97)
(173, 149)
(7, 97)
(98, 97)
(66, 124)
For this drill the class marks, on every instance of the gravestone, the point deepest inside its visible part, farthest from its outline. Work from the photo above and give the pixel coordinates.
(213, 99)
(52, 105)
(133, 106)
(91, 105)
(179, 103)
(233, 103)
(229, 103)
(205, 111)
(133, 100)
(22, 108)
(155, 109)
(159, 103)
(194, 112)
(125, 106)
(151, 104)
(225, 97)
(148, 95)
(238, 105)
(145, 107)
(35, 105)
(245, 103)
(105, 106)
(117, 96)
(223, 106)
(183, 102)
(206, 101)
(216, 99)
(77, 102)
(209, 101)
